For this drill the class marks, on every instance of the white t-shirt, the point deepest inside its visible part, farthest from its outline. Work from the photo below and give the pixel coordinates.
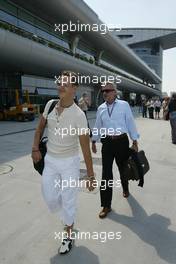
(157, 103)
(63, 130)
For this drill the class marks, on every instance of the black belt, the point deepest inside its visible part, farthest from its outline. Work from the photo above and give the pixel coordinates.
(116, 137)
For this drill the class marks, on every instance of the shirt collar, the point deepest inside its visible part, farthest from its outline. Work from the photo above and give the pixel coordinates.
(115, 101)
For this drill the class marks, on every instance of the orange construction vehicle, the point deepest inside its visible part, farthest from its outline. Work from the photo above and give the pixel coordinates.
(19, 112)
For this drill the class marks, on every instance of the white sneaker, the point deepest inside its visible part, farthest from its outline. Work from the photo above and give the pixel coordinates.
(66, 245)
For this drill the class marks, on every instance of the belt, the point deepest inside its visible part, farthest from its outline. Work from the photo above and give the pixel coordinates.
(116, 136)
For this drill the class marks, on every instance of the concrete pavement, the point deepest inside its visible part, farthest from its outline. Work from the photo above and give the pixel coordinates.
(146, 220)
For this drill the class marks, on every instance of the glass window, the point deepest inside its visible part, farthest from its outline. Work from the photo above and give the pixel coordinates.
(30, 24)
(42, 25)
(8, 18)
(42, 34)
(26, 26)
(25, 16)
(60, 42)
(45, 91)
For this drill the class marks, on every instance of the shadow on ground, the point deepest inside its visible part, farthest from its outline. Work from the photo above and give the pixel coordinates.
(152, 229)
(78, 255)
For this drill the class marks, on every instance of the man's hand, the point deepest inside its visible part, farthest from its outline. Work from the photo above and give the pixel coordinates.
(90, 183)
(94, 148)
(36, 156)
(135, 146)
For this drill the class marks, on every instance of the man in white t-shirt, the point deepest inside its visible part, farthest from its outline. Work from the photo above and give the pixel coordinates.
(67, 126)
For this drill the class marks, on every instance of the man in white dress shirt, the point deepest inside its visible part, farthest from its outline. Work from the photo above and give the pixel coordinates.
(115, 119)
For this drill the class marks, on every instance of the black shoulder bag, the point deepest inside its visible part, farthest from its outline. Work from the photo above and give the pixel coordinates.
(137, 166)
(39, 166)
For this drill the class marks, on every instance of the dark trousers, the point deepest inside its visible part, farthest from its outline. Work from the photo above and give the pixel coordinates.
(144, 111)
(173, 130)
(117, 149)
(151, 111)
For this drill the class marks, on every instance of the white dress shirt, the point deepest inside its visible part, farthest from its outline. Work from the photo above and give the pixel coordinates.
(115, 121)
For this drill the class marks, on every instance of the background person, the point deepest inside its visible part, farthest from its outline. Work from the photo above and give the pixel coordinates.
(84, 104)
(150, 106)
(165, 105)
(144, 108)
(157, 106)
(172, 117)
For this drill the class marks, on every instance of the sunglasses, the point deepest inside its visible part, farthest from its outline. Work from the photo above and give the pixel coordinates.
(107, 90)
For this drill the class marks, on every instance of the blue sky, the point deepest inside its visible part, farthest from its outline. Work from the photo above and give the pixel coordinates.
(143, 13)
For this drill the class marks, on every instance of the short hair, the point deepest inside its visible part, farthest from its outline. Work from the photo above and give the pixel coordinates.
(73, 75)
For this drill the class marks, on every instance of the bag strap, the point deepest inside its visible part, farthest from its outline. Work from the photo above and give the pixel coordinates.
(52, 106)
(49, 111)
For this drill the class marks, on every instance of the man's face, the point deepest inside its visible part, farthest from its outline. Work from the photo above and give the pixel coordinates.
(65, 87)
(109, 92)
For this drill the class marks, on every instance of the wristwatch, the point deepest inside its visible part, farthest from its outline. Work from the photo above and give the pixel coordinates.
(93, 141)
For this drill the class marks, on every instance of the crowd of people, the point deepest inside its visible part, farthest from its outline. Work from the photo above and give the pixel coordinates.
(152, 107)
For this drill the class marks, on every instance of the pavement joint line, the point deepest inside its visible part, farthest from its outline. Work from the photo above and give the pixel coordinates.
(16, 132)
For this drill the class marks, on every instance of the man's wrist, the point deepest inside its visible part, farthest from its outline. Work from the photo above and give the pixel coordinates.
(91, 174)
(91, 177)
(35, 148)
(135, 143)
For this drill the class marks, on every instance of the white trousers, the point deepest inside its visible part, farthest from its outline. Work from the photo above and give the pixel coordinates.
(59, 196)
